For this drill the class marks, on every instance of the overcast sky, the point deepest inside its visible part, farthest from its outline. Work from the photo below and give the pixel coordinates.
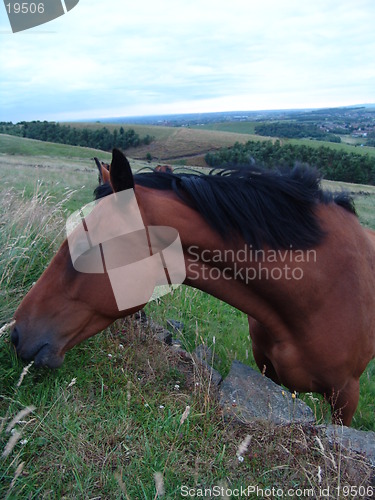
(118, 58)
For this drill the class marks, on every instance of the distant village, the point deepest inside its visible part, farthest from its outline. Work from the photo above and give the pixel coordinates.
(357, 122)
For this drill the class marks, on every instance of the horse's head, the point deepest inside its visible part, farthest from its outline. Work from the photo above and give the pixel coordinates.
(66, 306)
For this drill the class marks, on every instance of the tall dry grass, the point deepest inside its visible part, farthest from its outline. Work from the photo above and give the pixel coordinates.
(30, 232)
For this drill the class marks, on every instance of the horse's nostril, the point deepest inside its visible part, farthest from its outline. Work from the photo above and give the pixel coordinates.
(14, 337)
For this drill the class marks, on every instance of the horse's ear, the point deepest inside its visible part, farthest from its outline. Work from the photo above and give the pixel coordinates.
(99, 166)
(103, 170)
(120, 172)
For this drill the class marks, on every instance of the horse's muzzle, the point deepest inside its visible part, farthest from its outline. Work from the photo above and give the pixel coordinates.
(14, 337)
(42, 352)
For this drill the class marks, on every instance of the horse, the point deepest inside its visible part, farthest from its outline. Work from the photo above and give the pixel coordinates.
(164, 168)
(103, 171)
(275, 245)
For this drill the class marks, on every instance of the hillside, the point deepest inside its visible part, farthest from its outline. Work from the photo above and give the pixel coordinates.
(185, 145)
(181, 145)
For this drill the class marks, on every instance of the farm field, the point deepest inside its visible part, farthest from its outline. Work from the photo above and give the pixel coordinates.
(246, 127)
(111, 416)
(181, 145)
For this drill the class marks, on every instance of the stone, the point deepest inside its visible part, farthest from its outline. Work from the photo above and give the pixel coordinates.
(204, 353)
(248, 395)
(204, 356)
(176, 326)
(141, 317)
(162, 334)
(362, 442)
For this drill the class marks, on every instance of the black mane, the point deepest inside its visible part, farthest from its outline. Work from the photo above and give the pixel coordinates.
(263, 206)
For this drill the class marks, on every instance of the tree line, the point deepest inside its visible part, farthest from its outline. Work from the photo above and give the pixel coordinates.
(102, 138)
(337, 165)
(294, 130)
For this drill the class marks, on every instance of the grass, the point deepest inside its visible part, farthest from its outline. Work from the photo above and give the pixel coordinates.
(32, 229)
(106, 432)
(110, 418)
(206, 320)
(13, 145)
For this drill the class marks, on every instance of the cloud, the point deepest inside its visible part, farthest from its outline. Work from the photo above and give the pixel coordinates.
(121, 59)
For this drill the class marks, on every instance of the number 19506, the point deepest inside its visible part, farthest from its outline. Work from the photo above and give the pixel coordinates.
(25, 8)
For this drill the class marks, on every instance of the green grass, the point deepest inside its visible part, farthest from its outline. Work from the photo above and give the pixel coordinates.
(103, 426)
(109, 432)
(207, 321)
(13, 145)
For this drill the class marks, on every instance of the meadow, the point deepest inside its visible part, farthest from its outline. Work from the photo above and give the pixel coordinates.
(125, 416)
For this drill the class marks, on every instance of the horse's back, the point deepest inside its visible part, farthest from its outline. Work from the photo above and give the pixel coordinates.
(326, 334)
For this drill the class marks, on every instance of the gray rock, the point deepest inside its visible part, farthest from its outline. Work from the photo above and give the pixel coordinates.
(204, 353)
(176, 326)
(247, 395)
(161, 333)
(204, 356)
(362, 442)
(141, 317)
(177, 344)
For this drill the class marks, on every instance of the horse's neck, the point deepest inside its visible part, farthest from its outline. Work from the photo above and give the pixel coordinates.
(203, 248)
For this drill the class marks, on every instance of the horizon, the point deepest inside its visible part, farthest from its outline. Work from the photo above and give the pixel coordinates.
(165, 116)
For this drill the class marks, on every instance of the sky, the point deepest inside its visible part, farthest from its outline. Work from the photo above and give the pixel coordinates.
(117, 58)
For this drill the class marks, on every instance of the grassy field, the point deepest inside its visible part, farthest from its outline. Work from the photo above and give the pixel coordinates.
(233, 127)
(13, 145)
(109, 423)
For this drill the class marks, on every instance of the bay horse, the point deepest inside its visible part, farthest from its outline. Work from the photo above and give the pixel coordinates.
(164, 168)
(291, 256)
